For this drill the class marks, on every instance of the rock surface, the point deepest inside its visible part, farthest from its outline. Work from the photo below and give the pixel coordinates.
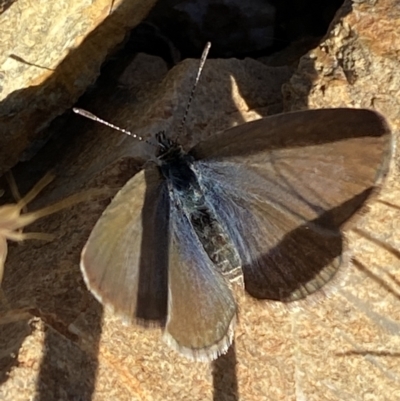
(57, 343)
(50, 52)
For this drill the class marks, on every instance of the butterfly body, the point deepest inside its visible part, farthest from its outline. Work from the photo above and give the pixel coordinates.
(188, 196)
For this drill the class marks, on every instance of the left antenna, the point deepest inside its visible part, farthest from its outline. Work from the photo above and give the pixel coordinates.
(91, 116)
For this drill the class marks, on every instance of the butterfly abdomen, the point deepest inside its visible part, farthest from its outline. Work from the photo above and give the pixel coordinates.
(217, 243)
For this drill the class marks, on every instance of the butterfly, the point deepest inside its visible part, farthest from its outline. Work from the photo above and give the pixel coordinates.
(262, 204)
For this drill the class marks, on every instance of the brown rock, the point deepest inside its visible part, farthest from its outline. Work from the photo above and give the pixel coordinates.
(50, 53)
(342, 347)
(357, 65)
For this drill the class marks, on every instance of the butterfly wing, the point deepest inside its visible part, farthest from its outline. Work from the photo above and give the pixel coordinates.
(131, 263)
(283, 187)
(202, 310)
(125, 260)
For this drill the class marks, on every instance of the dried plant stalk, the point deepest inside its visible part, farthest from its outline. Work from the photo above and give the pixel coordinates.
(13, 220)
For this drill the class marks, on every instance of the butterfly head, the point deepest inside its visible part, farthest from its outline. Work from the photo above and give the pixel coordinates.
(167, 148)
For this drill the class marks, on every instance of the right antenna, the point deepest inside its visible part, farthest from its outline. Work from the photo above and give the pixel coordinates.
(202, 61)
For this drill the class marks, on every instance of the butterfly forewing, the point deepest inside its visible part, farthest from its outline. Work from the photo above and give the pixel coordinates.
(125, 261)
(283, 187)
(295, 130)
(202, 310)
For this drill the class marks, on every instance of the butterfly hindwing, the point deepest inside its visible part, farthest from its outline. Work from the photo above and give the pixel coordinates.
(202, 309)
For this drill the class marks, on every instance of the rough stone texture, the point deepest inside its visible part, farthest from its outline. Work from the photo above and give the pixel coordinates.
(50, 52)
(356, 65)
(353, 351)
(59, 344)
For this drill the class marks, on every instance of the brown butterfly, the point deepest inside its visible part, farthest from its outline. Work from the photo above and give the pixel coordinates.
(263, 202)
